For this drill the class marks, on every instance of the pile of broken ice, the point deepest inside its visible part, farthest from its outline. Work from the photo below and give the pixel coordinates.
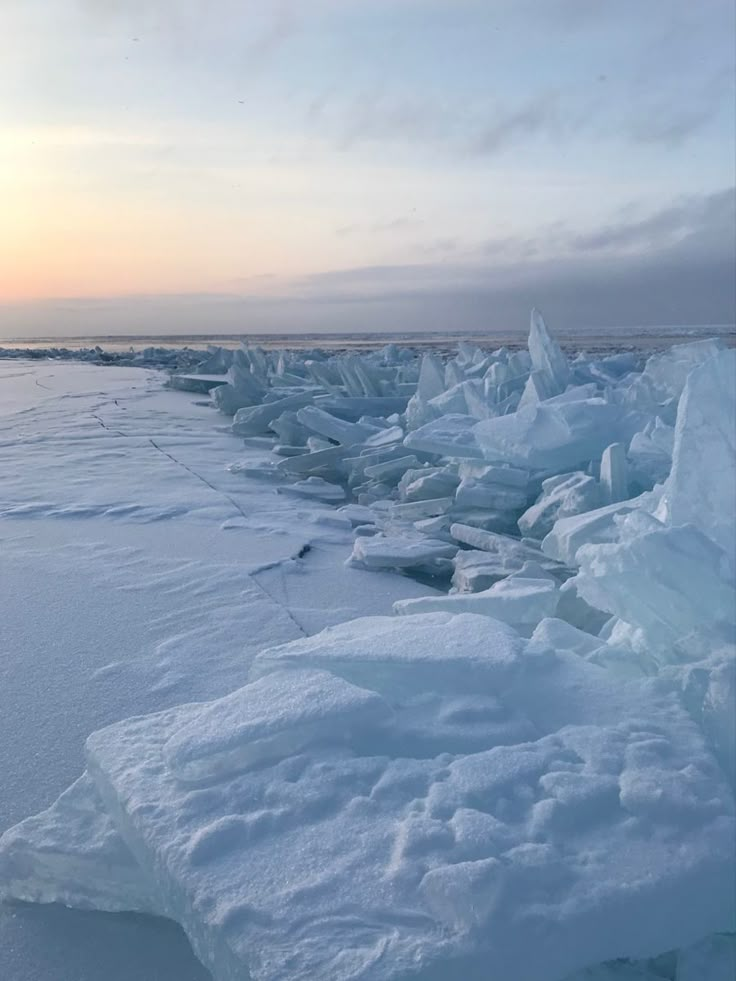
(529, 778)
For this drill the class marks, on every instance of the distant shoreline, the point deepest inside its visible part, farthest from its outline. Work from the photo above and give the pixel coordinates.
(592, 339)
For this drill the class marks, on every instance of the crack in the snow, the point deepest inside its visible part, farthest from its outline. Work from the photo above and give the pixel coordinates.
(107, 428)
(199, 477)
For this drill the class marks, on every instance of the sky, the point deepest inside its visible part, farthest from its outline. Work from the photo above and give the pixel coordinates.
(193, 166)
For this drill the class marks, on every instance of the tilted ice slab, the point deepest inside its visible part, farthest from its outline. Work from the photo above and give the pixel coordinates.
(562, 496)
(520, 602)
(607, 832)
(693, 590)
(72, 854)
(450, 435)
(547, 357)
(701, 489)
(268, 720)
(555, 437)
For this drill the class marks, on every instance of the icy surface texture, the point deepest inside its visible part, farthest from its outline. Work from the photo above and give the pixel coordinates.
(527, 771)
(340, 864)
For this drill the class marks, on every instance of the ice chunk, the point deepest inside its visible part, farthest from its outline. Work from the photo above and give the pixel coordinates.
(494, 557)
(559, 635)
(708, 690)
(562, 496)
(693, 590)
(425, 508)
(522, 603)
(358, 515)
(352, 408)
(650, 453)
(316, 489)
(274, 717)
(614, 475)
(437, 652)
(383, 552)
(256, 420)
(556, 437)
(242, 388)
(701, 490)
(450, 435)
(319, 421)
(73, 854)
(392, 470)
(592, 527)
(428, 482)
(665, 373)
(485, 493)
(314, 463)
(547, 358)
(539, 387)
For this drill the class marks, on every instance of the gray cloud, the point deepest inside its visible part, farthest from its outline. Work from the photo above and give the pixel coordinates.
(675, 279)
(688, 216)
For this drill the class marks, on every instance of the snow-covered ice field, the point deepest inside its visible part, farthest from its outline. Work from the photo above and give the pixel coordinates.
(465, 649)
(129, 585)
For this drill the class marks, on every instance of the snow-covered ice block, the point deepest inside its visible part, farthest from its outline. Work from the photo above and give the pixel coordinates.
(526, 862)
(559, 635)
(708, 690)
(72, 854)
(277, 716)
(522, 603)
(382, 552)
(436, 652)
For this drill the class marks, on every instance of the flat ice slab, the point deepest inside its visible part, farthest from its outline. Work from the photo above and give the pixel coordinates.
(526, 861)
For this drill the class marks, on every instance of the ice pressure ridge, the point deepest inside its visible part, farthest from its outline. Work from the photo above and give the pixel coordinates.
(526, 776)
